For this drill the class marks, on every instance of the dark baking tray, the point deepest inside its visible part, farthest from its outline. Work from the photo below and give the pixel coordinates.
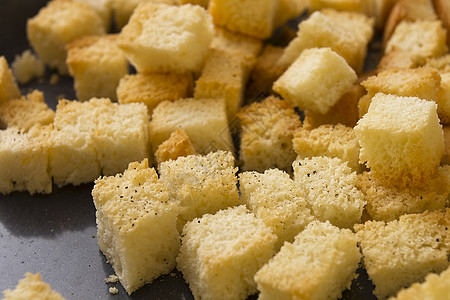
(55, 234)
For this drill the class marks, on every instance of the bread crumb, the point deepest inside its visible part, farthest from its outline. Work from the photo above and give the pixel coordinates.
(27, 66)
(54, 79)
(113, 290)
(112, 279)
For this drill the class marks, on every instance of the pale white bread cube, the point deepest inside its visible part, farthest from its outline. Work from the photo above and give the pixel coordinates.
(251, 17)
(319, 264)
(167, 38)
(204, 120)
(32, 287)
(316, 80)
(178, 144)
(401, 252)
(221, 253)
(274, 198)
(136, 225)
(97, 64)
(201, 184)
(401, 139)
(8, 86)
(330, 188)
(56, 25)
(24, 158)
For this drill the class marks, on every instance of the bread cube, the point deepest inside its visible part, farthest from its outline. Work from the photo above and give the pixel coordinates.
(200, 184)
(443, 99)
(24, 160)
(224, 76)
(204, 120)
(330, 188)
(27, 111)
(153, 88)
(273, 197)
(346, 33)
(184, 34)
(97, 65)
(399, 59)
(328, 140)
(440, 63)
(250, 17)
(56, 25)
(319, 264)
(422, 38)
(27, 66)
(288, 10)
(136, 225)
(8, 86)
(399, 253)
(32, 287)
(388, 202)
(266, 134)
(316, 80)
(401, 139)
(434, 287)
(178, 144)
(233, 42)
(221, 253)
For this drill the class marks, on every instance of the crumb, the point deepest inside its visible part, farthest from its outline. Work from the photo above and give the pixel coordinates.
(113, 290)
(54, 79)
(112, 279)
(93, 236)
(27, 66)
(173, 274)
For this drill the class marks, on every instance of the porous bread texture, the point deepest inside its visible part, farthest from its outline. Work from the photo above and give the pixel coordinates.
(330, 188)
(221, 253)
(399, 59)
(316, 80)
(153, 88)
(32, 287)
(56, 25)
(178, 144)
(27, 111)
(97, 64)
(442, 8)
(446, 156)
(224, 76)
(235, 42)
(319, 264)
(8, 86)
(328, 140)
(204, 120)
(440, 63)
(167, 38)
(346, 33)
(267, 129)
(24, 160)
(251, 17)
(401, 252)
(200, 184)
(27, 66)
(389, 202)
(422, 38)
(136, 225)
(443, 99)
(401, 139)
(434, 287)
(423, 83)
(274, 198)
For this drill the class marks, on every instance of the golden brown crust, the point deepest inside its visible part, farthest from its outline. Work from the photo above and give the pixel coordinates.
(178, 144)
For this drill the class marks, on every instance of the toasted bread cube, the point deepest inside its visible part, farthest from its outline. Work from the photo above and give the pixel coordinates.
(446, 157)
(399, 59)
(221, 253)
(266, 134)
(201, 184)
(434, 287)
(424, 39)
(401, 252)
(401, 139)
(56, 25)
(233, 42)
(319, 264)
(251, 17)
(328, 140)
(178, 144)
(316, 80)
(273, 197)
(136, 225)
(166, 38)
(388, 202)
(27, 66)
(443, 99)
(346, 33)
(97, 65)
(204, 120)
(8, 86)
(330, 188)
(24, 160)
(153, 88)
(32, 287)
(27, 111)
(224, 76)
(440, 63)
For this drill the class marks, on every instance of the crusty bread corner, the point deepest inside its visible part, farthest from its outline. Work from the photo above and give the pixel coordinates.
(32, 287)
(178, 144)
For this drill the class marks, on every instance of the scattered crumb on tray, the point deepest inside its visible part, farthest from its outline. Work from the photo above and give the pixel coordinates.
(54, 79)
(113, 290)
(112, 279)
